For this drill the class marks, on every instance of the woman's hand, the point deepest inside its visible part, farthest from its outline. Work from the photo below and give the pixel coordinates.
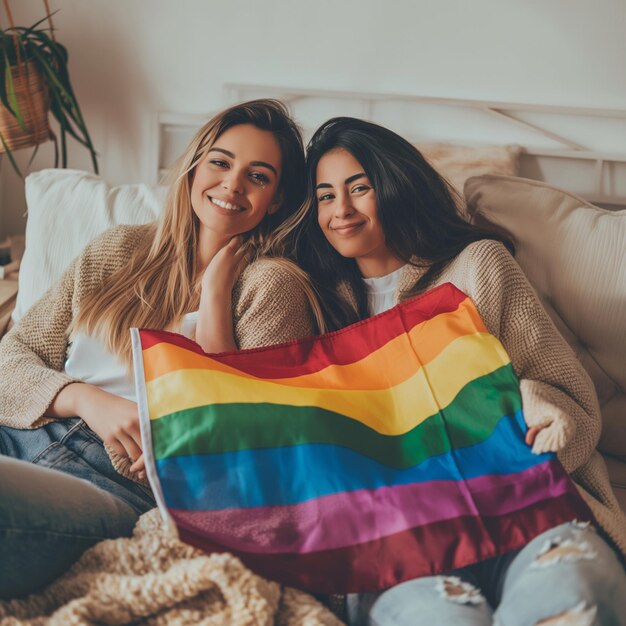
(224, 269)
(548, 415)
(214, 330)
(531, 433)
(546, 437)
(139, 466)
(114, 419)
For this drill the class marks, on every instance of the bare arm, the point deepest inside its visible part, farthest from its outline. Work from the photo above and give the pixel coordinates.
(66, 401)
(114, 419)
(214, 330)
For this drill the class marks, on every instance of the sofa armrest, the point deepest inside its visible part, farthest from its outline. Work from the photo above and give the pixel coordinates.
(5, 323)
(8, 295)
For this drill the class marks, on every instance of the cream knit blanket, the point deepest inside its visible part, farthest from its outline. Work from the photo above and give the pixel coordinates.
(152, 578)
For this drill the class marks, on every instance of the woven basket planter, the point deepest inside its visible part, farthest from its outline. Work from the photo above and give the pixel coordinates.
(32, 98)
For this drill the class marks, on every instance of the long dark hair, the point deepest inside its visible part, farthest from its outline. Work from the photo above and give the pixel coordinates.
(417, 207)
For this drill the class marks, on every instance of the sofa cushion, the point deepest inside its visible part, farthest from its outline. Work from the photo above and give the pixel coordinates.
(574, 254)
(66, 210)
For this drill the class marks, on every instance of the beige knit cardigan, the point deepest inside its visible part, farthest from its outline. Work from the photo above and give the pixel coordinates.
(554, 386)
(269, 306)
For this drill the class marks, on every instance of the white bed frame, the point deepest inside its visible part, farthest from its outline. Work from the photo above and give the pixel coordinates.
(579, 149)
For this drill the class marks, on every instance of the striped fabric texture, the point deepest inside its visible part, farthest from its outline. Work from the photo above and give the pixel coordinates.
(353, 461)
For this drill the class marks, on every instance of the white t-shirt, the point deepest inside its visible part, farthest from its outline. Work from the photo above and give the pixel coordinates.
(88, 360)
(381, 291)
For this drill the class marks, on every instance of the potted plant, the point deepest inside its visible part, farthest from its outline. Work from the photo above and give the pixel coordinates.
(34, 81)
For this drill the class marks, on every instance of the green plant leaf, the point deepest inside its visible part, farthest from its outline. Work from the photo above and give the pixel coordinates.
(32, 156)
(53, 48)
(44, 65)
(41, 21)
(3, 92)
(66, 101)
(57, 109)
(63, 148)
(10, 93)
(50, 58)
(10, 156)
(53, 138)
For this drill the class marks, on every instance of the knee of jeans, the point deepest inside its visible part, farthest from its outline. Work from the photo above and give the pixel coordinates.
(453, 589)
(575, 548)
(580, 615)
(571, 549)
(559, 550)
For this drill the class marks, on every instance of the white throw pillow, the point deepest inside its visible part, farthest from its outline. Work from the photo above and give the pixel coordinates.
(66, 210)
(574, 255)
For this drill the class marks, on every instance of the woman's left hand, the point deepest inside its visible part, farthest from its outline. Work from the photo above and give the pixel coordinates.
(532, 432)
(139, 466)
(224, 269)
(214, 330)
(547, 437)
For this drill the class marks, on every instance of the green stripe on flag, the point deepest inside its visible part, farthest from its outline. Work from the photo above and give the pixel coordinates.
(218, 428)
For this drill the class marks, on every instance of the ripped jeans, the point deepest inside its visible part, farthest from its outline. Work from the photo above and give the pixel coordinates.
(568, 575)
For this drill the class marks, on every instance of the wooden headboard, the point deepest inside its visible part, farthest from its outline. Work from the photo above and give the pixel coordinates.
(582, 150)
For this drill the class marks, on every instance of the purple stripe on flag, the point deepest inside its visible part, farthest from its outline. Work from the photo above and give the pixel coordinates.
(321, 523)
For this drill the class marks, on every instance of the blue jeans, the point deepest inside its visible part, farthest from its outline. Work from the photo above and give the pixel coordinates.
(568, 571)
(59, 495)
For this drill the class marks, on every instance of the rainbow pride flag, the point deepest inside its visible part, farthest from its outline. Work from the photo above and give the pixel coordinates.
(353, 461)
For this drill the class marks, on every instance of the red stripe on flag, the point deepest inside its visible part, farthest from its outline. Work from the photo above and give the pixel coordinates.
(351, 344)
(433, 549)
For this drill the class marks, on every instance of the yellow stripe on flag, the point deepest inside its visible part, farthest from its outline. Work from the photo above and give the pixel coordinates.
(391, 411)
(390, 359)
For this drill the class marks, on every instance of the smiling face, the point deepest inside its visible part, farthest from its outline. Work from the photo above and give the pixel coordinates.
(348, 214)
(237, 182)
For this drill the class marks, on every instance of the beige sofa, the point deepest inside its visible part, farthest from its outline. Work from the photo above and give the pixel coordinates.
(574, 255)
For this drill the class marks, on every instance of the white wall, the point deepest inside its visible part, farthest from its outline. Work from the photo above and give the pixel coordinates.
(130, 59)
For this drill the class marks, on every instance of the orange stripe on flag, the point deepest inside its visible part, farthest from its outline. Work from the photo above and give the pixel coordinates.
(164, 358)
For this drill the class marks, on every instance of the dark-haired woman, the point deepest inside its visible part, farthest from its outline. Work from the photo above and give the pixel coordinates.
(383, 226)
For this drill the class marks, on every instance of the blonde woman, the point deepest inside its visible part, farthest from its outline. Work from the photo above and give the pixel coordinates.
(67, 400)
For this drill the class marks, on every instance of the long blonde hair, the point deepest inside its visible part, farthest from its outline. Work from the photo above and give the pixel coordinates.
(159, 285)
